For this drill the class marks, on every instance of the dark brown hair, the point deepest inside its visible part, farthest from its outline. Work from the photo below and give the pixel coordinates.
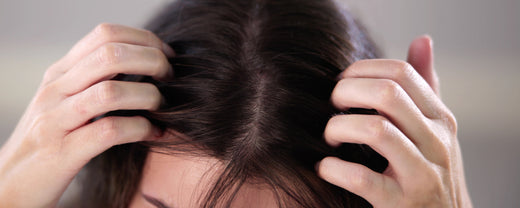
(252, 85)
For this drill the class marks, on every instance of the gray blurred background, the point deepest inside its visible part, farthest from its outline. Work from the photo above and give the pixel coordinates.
(476, 43)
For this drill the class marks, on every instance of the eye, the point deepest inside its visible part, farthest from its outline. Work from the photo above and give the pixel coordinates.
(155, 201)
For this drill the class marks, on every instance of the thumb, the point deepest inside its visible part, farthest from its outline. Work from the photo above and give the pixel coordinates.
(420, 56)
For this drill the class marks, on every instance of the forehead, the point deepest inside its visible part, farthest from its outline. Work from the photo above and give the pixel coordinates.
(182, 180)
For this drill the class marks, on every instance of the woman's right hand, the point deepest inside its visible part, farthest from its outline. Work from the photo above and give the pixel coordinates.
(55, 138)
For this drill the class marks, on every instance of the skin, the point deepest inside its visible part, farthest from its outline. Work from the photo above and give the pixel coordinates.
(416, 132)
(179, 181)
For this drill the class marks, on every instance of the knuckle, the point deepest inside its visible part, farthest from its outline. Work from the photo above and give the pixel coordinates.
(110, 53)
(402, 70)
(39, 123)
(51, 72)
(48, 74)
(361, 62)
(106, 31)
(109, 129)
(358, 62)
(79, 106)
(378, 128)
(450, 121)
(387, 91)
(107, 92)
(45, 93)
(354, 68)
(360, 179)
(403, 65)
(152, 39)
(41, 136)
(445, 157)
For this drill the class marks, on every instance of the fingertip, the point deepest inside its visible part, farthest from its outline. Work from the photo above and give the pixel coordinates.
(420, 55)
(157, 132)
(429, 39)
(168, 50)
(427, 43)
(425, 40)
(420, 46)
(426, 37)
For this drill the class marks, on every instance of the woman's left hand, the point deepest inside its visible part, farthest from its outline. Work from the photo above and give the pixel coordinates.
(415, 131)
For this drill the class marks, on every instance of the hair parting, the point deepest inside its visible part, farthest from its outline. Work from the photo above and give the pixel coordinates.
(252, 88)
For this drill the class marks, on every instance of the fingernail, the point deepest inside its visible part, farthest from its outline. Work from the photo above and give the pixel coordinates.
(168, 50)
(157, 132)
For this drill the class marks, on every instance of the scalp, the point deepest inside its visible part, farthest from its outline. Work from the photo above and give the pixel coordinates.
(252, 87)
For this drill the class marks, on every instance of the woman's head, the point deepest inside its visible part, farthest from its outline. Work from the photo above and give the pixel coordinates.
(250, 95)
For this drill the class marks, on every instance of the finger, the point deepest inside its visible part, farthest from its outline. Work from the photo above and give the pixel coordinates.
(96, 137)
(106, 33)
(403, 74)
(112, 59)
(380, 134)
(420, 56)
(108, 96)
(390, 100)
(101, 35)
(374, 187)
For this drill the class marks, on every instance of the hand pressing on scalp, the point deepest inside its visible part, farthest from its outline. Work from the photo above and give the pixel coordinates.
(415, 132)
(55, 138)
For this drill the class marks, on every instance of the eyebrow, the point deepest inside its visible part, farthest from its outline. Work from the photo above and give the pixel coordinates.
(155, 201)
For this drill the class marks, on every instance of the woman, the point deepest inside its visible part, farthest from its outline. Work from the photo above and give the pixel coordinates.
(237, 104)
